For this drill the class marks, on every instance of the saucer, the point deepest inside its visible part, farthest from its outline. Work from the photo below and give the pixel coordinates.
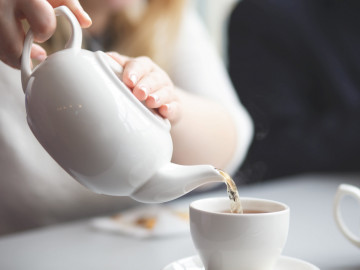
(284, 263)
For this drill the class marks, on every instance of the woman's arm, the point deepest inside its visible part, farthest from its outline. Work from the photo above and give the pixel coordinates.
(209, 125)
(219, 129)
(205, 134)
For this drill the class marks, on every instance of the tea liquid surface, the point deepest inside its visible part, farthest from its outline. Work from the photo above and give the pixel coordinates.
(235, 203)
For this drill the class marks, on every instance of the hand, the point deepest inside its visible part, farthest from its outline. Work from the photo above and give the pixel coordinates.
(151, 84)
(41, 18)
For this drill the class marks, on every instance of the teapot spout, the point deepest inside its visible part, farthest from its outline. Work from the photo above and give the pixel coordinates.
(173, 181)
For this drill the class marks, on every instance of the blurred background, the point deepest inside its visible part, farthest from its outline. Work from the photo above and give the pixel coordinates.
(215, 15)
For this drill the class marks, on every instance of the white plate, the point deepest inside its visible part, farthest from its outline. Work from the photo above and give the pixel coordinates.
(284, 263)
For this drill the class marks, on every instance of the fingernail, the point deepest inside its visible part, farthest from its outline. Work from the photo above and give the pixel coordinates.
(133, 78)
(112, 54)
(87, 16)
(168, 107)
(156, 98)
(144, 91)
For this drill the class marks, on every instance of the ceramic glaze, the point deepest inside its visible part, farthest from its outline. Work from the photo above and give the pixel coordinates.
(227, 241)
(95, 129)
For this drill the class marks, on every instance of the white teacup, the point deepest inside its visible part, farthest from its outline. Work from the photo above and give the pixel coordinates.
(249, 241)
(346, 190)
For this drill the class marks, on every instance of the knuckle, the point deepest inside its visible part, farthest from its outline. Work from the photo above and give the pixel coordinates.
(145, 59)
(13, 51)
(166, 79)
(44, 29)
(13, 62)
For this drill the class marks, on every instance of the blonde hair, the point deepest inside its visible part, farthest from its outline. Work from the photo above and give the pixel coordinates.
(147, 30)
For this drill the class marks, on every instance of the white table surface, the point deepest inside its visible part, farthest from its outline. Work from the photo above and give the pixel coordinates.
(313, 235)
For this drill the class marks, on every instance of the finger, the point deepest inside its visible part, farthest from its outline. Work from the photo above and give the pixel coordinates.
(135, 69)
(121, 59)
(151, 83)
(11, 44)
(141, 93)
(170, 111)
(76, 8)
(38, 53)
(43, 25)
(160, 97)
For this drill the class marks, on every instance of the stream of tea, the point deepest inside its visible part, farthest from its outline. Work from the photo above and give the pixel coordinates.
(235, 203)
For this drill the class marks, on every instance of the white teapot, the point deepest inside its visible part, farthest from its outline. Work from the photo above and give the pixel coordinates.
(96, 130)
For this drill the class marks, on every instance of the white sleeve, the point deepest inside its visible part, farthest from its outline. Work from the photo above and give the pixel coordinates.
(197, 68)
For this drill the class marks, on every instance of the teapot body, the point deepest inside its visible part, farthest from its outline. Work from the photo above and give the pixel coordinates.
(92, 125)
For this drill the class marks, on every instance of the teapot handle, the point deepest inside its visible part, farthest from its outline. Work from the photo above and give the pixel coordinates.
(74, 42)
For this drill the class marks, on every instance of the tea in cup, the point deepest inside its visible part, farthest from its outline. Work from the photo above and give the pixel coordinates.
(253, 240)
(342, 191)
